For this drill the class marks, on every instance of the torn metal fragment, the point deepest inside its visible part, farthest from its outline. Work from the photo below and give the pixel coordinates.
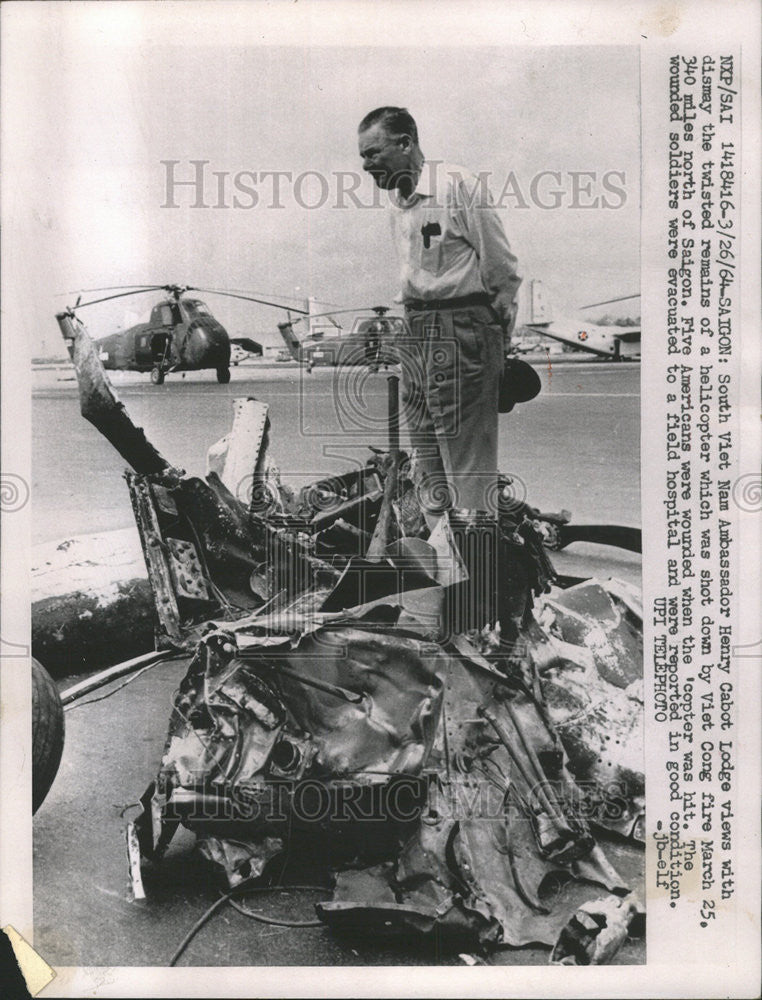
(595, 933)
(133, 858)
(100, 404)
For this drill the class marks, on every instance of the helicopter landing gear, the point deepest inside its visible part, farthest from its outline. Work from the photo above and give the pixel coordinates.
(157, 376)
(223, 375)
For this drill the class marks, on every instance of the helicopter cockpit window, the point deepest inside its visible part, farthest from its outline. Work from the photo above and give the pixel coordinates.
(166, 315)
(196, 308)
(386, 325)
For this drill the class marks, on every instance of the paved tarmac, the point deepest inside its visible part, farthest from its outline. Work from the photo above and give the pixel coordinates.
(577, 445)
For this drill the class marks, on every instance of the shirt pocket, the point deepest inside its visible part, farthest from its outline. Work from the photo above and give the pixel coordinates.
(430, 237)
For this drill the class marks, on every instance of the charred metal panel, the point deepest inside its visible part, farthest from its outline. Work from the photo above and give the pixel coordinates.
(100, 404)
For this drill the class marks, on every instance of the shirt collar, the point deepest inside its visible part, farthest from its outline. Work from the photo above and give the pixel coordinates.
(427, 182)
(426, 186)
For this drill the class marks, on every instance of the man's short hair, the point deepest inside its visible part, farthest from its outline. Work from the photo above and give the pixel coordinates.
(396, 121)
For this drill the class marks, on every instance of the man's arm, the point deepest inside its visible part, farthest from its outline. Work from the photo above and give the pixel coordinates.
(484, 230)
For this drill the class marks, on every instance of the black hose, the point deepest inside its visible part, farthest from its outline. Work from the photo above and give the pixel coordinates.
(272, 920)
(243, 889)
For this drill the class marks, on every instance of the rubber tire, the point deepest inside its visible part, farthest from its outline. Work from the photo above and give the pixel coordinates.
(157, 376)
(223, 375)
(47, 733)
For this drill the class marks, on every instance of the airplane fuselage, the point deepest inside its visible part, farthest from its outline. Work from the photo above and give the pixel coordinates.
(619, 343)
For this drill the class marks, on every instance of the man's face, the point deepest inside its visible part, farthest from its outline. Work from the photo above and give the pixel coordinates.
(386, 158)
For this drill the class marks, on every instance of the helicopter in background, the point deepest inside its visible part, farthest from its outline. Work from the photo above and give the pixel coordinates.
(369, 342)
(181, 334)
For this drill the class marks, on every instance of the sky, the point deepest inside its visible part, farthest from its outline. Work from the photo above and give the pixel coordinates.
(87, 200)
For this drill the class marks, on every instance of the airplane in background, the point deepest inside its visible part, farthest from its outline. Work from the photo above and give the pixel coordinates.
(618, 343)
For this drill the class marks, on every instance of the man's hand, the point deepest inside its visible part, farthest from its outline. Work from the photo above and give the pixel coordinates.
(511, 320)
(508, 326)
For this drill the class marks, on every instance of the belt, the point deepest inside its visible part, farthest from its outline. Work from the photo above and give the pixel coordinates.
(463, 302)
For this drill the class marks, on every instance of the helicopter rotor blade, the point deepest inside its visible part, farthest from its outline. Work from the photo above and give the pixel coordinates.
(107, 288)
(336, 312)
(608, 302)
(252, 346)
(249, 298)
(249, 291)
(120, 295)
(179, 290)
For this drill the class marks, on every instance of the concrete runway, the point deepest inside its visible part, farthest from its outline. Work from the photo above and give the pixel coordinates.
(576, 446)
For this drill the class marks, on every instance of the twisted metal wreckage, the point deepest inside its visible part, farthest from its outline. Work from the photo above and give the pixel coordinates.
(451, 778)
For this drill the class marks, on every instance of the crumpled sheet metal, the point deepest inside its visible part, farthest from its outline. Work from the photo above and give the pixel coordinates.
(363, 702)
(597, 931)
(590, 662)
(419, 895)
(475, 883)
(353, 700)
(478, 862)
(493, 735)
(590, 615)
(244, 861)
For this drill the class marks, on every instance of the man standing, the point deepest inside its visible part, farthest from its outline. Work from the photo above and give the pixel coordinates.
(459, 285)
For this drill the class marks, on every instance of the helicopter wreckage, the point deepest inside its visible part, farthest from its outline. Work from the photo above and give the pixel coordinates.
(442, 722)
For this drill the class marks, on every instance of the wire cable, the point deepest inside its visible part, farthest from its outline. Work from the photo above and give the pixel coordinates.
(226, 898)
(272, 920)
(205, 917)
(129, 680)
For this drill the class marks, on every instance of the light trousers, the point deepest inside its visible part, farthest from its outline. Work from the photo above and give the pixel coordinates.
(452, 360)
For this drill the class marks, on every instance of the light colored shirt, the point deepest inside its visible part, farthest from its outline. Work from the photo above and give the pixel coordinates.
(450, 240)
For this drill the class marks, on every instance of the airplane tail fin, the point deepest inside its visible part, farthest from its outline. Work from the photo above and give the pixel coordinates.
(539, 303)
(290, 338)
(320, 321)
